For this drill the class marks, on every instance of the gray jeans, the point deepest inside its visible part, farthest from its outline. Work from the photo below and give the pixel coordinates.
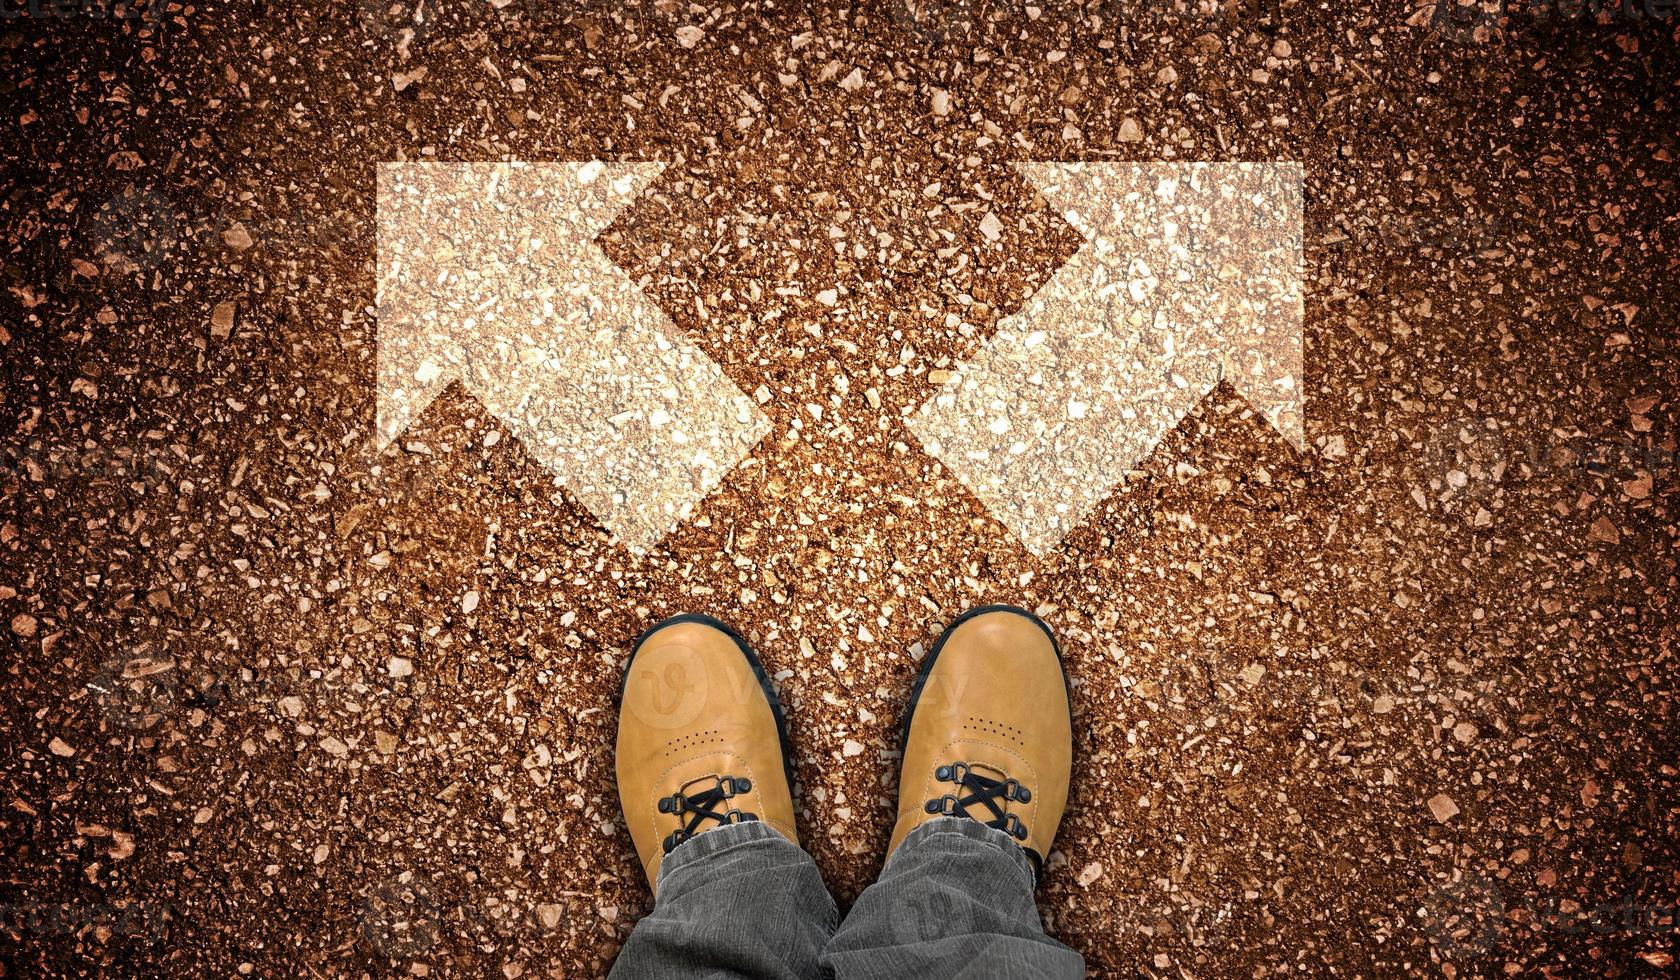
(955, 899)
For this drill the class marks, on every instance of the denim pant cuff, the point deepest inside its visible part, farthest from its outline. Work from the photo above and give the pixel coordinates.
(983, 835)
(702, 846)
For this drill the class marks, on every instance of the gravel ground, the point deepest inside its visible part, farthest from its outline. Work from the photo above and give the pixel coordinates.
(279, 702)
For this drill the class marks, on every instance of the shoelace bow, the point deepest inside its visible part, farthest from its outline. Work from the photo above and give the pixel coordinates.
(978, 789)
(701, 806)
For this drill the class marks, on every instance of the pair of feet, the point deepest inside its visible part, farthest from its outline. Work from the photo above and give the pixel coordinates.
(702, 743)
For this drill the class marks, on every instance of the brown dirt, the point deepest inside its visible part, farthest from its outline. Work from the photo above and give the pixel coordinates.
(1404, 702)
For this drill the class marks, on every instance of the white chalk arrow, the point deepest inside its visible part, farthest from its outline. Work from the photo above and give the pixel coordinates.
(1191, 273)
(489, 274)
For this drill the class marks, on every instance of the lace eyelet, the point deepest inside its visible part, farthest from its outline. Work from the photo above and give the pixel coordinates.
(945, 806)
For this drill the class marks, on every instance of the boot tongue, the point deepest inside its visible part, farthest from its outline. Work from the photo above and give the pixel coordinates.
(981, 793)
(703, 804)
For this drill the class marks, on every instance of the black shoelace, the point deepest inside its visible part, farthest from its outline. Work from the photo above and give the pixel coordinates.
(702, 805)
(977, 789)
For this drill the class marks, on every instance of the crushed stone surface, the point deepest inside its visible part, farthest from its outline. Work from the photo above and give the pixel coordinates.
(279, 701)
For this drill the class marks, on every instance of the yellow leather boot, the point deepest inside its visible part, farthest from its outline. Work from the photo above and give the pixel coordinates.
(701, 742)
(989, 732)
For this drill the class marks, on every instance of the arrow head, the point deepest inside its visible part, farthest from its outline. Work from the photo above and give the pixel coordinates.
(1191, 273)
(489, 274)
(1218, 249)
